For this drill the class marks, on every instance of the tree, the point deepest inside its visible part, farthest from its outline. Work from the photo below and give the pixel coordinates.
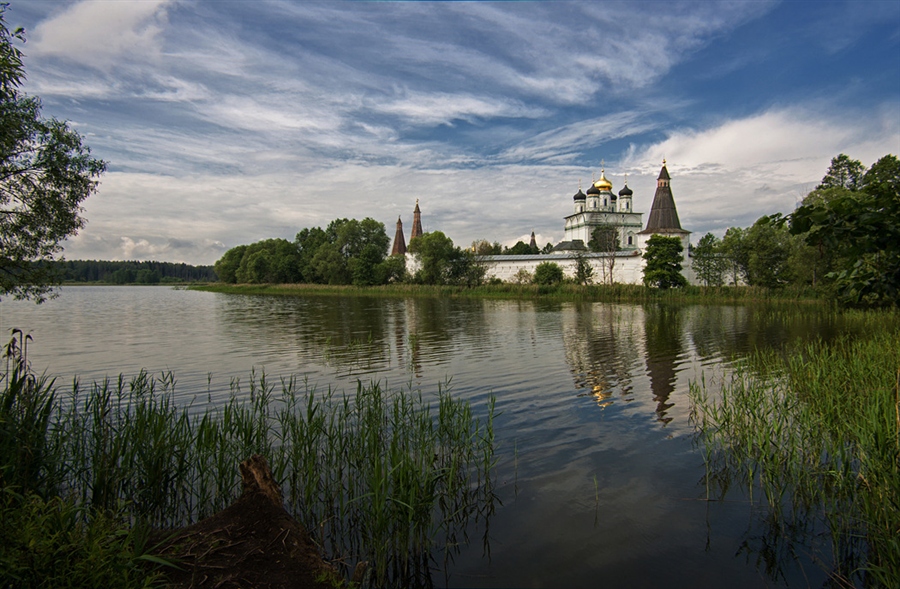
(708, 262)
(663, 262)
(843, 173)
(435, 253)
(45, 174)
(522, 276)
(863, 229)
(737, 256)
(308, 243)
(226, 267)
(605, 240)
(391, 269)
(548, 273)
(483, 247)
(769, 247)
(584, 272)
(521, 249)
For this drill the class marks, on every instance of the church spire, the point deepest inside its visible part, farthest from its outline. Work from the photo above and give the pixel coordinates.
(533, 243)
(399, 248)
(417, 223)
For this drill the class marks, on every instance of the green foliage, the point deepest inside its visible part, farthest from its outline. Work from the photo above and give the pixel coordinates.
(584, 272)
(435, 253)
(269, 261)
(843, 173)
(57, 543)
(861, 232)
(391, 271)
(708, 261)
(812, 432)
(768, 245)
(736, 254)
(663, 262)
(521, 249)
(442, 263)
(346, 252)
(483, 247)
(605, 239)
(45, 175)
(142, 272)
(309, 241)
(548, 273)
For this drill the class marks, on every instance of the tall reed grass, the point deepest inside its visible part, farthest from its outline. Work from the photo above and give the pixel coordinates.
(814, 435)
(389, 477)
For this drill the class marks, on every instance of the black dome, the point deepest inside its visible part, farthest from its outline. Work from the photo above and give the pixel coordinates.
(579, 195)
(625, 191)
(593, 190)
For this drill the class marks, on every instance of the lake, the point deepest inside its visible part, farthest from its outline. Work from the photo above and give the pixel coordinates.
(598, 476)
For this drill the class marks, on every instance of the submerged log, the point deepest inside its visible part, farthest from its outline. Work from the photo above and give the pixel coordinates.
(252, 543)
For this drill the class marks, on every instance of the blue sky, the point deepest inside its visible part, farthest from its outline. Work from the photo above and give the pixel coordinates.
(229, 122)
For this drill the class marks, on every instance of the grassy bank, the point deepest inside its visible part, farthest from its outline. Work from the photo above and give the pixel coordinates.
(388, 477)
(620, 293)
(813, 435)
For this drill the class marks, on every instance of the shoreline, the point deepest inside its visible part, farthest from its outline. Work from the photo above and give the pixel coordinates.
(618, 293)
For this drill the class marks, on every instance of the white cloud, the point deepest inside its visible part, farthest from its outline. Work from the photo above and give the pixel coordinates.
(444, 108)
(98, 33)
(733, 173)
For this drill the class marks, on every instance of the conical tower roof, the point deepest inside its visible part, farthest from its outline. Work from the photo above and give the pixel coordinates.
(417, 223)
(399, 248)
(663, 214)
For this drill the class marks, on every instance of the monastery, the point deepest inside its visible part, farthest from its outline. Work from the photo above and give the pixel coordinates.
(598, 207)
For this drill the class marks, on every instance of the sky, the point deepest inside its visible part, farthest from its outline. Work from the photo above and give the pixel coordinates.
(227, 122)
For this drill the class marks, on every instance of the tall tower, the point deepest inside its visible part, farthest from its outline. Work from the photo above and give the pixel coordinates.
(417, 223)
(399, 248)
(663, 218)
(533, 243)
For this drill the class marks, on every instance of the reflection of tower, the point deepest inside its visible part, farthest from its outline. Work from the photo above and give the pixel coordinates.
(399, 248)
(662, 328)
(417, 223)
(411, 330)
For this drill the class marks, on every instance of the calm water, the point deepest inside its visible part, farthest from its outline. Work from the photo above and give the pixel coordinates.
(598, 476)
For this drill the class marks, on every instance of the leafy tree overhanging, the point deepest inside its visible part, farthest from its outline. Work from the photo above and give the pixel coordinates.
(45, 175)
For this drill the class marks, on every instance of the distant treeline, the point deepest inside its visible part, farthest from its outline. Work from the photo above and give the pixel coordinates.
(133, 272)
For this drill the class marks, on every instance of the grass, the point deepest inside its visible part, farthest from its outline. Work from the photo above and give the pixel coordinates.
(631, 293)
(388, 477)
(813, 434)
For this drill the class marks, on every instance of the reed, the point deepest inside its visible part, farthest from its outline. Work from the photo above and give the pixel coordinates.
(385, 476)
(814, 435)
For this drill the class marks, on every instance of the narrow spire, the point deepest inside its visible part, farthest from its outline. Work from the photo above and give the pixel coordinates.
(533, 241)
(399, 248)
(417, 223)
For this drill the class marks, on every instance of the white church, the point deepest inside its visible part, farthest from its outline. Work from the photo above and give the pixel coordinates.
(598, 207)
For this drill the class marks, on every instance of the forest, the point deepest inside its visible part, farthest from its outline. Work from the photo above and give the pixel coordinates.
(133, 272)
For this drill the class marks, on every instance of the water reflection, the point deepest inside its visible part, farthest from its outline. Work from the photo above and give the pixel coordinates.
(602, 349)
(665, 352)
(585, 392)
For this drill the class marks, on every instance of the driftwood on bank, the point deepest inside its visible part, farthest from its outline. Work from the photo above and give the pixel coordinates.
(252, 543)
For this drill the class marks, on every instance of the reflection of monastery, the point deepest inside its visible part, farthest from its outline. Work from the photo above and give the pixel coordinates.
(598, 207)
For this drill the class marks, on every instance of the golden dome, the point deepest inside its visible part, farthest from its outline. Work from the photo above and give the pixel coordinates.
(603, 183)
